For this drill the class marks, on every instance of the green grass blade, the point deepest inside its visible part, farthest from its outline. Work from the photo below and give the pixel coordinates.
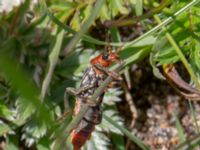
(118, 141)
(139, 7)
(180, 131)
(127, 133)
(138, 54)
(94, 12)
(53, 58)
(68, 29)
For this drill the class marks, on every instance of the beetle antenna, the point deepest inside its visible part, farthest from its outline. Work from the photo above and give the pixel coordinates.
(108, 48)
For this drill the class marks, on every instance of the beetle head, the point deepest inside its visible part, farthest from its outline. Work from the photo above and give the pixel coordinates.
(106, 58)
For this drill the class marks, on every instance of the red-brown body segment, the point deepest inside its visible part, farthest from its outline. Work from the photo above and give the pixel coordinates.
(92, 76)
(79, 138)
(105, 59)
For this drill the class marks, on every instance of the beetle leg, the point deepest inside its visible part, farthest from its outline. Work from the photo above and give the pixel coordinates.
(113, 74)
(89, 102)
(67, 109)
(66, 102)
(76, 92)
(64, 116)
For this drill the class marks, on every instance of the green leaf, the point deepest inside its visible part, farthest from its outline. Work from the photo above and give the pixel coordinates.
(139, 7)
(134, 54)
(68, 29)
(24, 110)
(112, 96)
(75, 23)
(117, 7)
(104, 13)
(65, 16)
(115, 34)
(118, 141)
(180, 30)
(86, 25)
(86, 12)
(154, 66)
(33, 131)
(163, 51)
(196, 55)
(44, 144)
(4, 128)
(180, 131)
(106, 126)
(6, 112)
(53, 58)
(63, 6)
(42, 147)
(75, 63)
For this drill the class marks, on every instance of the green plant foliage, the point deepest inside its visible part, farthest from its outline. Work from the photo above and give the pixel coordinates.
(33, 131)
(184, 31)
(195, 52)
(77, 12)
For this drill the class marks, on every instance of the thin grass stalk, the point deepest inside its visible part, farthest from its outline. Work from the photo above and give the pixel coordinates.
(53, 59)
(88, 22)
(127, 133)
